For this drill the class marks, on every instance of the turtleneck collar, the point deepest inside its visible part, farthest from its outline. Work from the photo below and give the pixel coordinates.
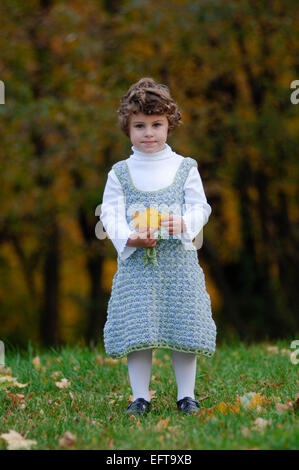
(161, 155)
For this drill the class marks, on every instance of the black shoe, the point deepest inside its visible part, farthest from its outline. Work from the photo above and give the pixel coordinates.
(188, 405)
(139, 406)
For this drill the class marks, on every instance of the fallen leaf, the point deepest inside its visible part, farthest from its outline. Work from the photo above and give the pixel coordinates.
(225, 408)
(56, 374)
(132, 418)
(109, 360)
(36, 362)
(162, 424)
(261, 424)
(16, 399)
(222, 407)
(286, 351)
(5, 370)
(64, 383)
(111, 443)
(283, 407)
(16, 441)
(67, 440)
(245, 432)
(8, 381)
(253, 400)
(100, 359)
(257, 401)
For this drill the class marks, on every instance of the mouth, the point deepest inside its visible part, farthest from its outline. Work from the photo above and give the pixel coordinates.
(149, 142)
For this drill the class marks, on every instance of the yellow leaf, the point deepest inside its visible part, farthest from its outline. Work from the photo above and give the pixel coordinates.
(8, 381)
(150, 218)
(252, 400)
(222, 407)
(257, 400)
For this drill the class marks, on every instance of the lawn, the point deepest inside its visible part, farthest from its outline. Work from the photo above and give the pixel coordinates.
(74, 398)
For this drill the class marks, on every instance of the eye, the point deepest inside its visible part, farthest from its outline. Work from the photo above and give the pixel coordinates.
(157, 124)
(139, 125)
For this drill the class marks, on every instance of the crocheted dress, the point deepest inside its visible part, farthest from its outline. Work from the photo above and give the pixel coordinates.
(164, 305)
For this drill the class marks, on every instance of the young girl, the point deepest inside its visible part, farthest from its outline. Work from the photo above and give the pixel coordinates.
(153, 206)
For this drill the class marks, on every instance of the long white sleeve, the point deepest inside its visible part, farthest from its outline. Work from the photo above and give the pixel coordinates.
(113, 216)
(197, 208)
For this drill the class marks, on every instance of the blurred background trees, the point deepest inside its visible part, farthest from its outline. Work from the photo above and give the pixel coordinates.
(65, 65)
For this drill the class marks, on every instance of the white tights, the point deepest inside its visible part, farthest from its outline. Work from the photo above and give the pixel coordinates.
(140, 364)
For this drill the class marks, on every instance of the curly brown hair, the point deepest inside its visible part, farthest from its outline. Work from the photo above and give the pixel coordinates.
(148, 97)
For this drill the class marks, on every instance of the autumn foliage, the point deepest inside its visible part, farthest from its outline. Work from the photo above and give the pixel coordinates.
(65, 66)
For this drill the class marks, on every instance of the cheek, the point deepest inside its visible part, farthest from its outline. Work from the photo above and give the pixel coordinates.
(134, 135)
(164, 131)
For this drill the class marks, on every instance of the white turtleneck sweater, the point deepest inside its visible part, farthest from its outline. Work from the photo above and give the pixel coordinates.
(152, 172)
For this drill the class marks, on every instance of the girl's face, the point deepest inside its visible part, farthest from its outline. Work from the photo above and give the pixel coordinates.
(148, 133)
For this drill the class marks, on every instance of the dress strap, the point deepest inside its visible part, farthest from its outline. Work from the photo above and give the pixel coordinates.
(120, 169)
(184, 170)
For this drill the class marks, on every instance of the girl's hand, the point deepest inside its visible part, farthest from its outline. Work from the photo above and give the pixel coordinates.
(174, 224)
(143, 238)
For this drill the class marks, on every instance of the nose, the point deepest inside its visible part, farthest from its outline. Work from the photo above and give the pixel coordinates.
(148, 132)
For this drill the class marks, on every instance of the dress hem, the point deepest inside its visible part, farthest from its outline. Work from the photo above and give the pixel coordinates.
(140, 347)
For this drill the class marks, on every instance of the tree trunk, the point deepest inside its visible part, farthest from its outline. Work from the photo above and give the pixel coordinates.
(51, 294)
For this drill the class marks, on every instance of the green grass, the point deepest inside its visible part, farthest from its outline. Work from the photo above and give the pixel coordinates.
(88, 411)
